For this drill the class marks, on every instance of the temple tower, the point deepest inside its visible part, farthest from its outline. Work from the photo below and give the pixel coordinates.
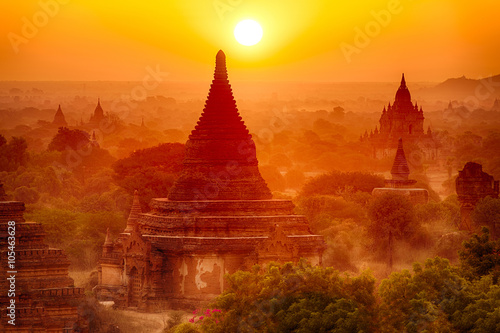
(98, 115)
(400, 182)
(59, 119)
(405, 120)
(221, 162)
(219, 217)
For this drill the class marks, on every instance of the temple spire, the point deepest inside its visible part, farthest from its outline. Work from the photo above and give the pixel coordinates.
(220, 141)
(400, 169)
(107, 241)
(403, 81)
(59, 119)
(135, 210)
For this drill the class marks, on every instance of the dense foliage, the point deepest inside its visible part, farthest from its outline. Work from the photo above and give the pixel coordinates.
(435, 297)
(151, 171)
(294, 298)
(336, 182)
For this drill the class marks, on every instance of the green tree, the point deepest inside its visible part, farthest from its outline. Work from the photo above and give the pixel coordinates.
(335, 183)
(151, 171)
(480, 256)
(436, 298)
(422, 301)
(13, 154)
(392, 218)
(487, 213)
(295, 298)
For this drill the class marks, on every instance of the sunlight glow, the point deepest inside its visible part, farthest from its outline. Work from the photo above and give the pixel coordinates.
(248, 32)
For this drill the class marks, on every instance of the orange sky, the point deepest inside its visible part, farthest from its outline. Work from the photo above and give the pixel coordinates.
(304, 40)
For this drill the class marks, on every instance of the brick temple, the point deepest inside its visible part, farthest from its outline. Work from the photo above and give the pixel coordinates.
(45, 298)
(473, 184)
(403, 119)
(219, 217)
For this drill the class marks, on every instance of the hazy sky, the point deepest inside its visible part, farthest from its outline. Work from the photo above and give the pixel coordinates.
(304, 40)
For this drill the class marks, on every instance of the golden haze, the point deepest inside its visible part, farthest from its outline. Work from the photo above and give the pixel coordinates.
(430, 40)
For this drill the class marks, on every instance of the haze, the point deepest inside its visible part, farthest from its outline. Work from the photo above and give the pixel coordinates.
(303, 41)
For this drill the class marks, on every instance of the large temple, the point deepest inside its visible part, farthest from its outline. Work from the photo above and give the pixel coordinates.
(219, 217)
(37, 293)
(402, 119)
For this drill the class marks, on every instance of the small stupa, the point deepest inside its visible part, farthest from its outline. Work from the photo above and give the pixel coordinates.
(400, 182)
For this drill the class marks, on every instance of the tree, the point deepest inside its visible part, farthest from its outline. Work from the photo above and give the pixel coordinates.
(487, 213)
(422, 301)
(67, 139)
(295, 298)
(26, 195)
(480, 256)
(12, 154)
(392, 218)
(151, 171)
(336, 182)
(436, 298)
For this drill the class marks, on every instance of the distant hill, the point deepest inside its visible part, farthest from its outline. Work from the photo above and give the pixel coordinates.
(462, 88)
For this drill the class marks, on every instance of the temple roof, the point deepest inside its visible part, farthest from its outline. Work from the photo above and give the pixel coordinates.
(220, 161)
(400, 169)
(59, 118)
(403, 97)
(98, 114)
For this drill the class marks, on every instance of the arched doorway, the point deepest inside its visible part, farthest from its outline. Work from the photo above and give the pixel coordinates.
(134, 287)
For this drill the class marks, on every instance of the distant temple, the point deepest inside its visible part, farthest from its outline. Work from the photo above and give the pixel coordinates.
(45, 298)
(402, 119)
(473, 185)
(400, 182)
(219, 217)
(98, 115)
(59, 119)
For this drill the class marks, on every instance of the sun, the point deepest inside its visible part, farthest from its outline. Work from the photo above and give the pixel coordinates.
(248, 32)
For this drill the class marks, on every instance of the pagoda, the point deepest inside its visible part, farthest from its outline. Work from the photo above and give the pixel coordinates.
(98, 115)
(400, 182)
(59, 119)
(219, 217)
(402, 119)
(44, 295)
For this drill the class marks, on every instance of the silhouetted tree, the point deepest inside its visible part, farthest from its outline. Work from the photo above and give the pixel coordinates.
(480, 256)
(335, 182)
(12, 154)
(66, 139)
(151, 171)
(392, 217)
(294, 298)
(487, 214)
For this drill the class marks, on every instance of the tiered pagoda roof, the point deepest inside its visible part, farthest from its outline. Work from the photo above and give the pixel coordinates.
(220, 161)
